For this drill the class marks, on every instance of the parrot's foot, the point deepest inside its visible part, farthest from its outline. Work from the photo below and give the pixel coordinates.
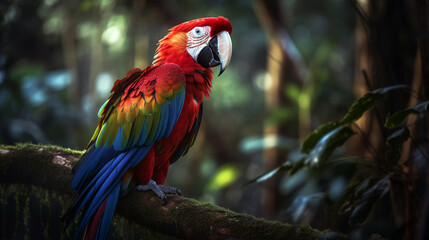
(159, 190)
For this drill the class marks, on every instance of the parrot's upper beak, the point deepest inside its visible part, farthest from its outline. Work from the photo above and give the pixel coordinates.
(218, 52)
(224, 50)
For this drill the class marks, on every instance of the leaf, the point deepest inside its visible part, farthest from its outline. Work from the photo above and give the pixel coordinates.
(388, 89)
(327, 144)
(311, 140)
(296, 167)
(323, 149)
(303, 205)
(399, 136)
(394, 144)
(289, 166)
(399, 117)
(362, 105)
(367, 201)
(368, 101)
(265, 176)
(358, 108)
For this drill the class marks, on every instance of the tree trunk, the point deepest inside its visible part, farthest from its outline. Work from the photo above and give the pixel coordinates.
(390, 51)
(70, 58)
(364, 83)
(284, 65)
(35, 192)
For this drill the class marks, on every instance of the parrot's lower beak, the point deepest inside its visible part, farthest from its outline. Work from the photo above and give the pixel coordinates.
(218, 52)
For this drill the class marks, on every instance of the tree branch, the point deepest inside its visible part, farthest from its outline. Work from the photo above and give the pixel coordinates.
(39, 176)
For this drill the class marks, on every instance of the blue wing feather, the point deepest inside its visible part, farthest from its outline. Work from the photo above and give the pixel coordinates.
(163, 122)
(90, 163)
(118, 144)
(108, 215)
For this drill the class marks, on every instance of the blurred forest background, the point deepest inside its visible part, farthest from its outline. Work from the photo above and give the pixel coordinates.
(296, 65)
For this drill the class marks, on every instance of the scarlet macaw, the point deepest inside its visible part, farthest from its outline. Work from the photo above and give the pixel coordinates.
(150, 120)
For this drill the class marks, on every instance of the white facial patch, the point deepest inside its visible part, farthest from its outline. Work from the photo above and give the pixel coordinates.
(198, 38)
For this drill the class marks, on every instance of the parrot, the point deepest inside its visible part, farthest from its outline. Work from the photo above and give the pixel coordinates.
(149, 121)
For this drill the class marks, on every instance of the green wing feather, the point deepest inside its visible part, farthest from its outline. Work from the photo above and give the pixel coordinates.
(143, 108)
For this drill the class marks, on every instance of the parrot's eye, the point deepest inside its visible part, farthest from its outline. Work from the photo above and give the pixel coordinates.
(198, 31)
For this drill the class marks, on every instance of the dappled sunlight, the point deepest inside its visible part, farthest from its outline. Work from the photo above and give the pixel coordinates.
(103, 84)
(58, 80)
(225, 176)
(114, 34)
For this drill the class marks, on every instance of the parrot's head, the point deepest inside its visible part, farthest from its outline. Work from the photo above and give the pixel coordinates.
(204, 42)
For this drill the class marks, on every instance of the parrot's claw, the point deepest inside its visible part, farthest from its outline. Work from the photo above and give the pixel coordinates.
(171, 190)
(159, 190)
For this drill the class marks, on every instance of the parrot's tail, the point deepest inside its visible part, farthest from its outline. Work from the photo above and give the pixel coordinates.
(100, 192)
(98, 226)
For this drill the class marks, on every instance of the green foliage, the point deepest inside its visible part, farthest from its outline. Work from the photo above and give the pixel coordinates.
(281, 115)
(21, 71)
(355, 112)
(293, 92)
(362, 105)
(312, 139)
(399, 117)
(364, 199)
(327, 144)
(368, 101)
(394, 144)
(368, 186)
(284, 167)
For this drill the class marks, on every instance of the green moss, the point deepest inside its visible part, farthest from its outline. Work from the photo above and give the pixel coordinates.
(46, 166)
(221, 221)
(40, 147)
(29, 212)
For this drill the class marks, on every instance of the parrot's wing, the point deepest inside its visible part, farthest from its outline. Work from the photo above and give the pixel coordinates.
(143, 108)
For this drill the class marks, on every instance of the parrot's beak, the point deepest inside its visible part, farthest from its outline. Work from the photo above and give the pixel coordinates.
(218, 52)
(224, 50)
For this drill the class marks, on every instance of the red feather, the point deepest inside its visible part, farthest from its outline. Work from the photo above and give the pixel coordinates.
(91, 231)
(217, 25)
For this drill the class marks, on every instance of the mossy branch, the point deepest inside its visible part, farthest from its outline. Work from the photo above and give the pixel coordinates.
(43, 172)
